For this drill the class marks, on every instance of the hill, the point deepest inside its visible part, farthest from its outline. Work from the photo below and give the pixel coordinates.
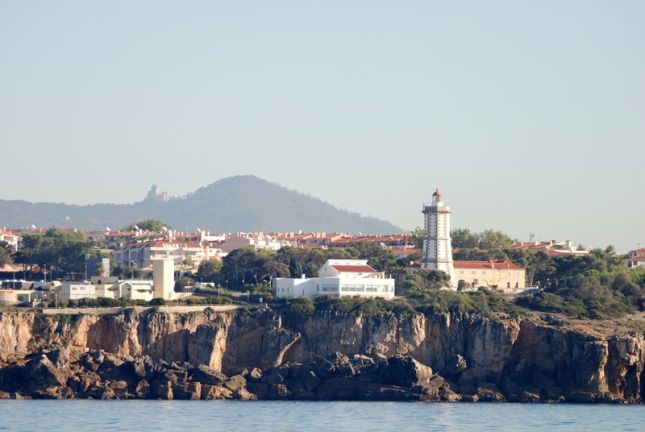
(240, 203)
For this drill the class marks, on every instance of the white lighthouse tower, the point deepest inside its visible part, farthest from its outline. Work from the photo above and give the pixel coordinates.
(437, 247)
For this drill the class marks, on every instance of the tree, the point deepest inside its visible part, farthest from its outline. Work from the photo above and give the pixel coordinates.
(418, 235)
(64, 252)
(209, 270)
(248, 266)
(308, 261)
(5, 254)
(492, 239)
(154, 225)
(423, 282)
(539, 266)
(464, 239)
(375, 254)
(489, 239)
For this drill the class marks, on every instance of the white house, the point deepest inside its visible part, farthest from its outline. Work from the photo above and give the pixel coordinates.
(338, 278)
(11, 238)
(131, 289)
(635, 258)
(76, 290)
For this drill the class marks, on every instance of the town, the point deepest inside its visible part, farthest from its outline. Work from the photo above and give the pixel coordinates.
(150, 262)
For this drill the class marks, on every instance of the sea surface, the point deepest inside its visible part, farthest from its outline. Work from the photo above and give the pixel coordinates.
(156, 416)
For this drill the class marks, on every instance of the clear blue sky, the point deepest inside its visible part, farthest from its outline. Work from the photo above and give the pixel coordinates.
(529, 115)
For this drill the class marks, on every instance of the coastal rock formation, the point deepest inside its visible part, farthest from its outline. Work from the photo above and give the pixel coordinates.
(325, 356)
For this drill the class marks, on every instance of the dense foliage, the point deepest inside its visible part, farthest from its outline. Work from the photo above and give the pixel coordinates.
(596, 285)
(63, 252)
(249, 267)
(5, 254)
(154, 225)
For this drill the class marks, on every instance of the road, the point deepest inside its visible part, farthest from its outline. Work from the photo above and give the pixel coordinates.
(166, 309)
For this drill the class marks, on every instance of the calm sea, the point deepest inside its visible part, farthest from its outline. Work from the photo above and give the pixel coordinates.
(156, 416)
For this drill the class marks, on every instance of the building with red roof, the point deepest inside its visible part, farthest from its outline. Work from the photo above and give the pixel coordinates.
(503, 276)
(338, 278)
(635, 258)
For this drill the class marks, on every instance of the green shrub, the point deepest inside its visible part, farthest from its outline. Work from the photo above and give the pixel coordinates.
(302, 306)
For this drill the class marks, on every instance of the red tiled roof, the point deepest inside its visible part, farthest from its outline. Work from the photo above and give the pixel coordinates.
(354, 268)
(486, 265)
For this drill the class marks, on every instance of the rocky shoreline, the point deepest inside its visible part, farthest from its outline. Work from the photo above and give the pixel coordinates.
(99, 375)
(266, 355)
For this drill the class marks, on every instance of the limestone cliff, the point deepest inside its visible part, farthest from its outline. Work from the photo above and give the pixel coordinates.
(499, 358)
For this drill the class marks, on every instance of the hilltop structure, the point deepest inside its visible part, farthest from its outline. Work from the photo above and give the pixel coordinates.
(437, 247)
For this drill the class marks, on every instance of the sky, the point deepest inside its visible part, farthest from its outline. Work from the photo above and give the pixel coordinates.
(530, 116)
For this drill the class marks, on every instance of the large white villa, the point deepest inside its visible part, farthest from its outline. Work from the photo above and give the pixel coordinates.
(338, 278)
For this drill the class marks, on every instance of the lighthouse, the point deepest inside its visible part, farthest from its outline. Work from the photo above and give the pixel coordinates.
(437, 247)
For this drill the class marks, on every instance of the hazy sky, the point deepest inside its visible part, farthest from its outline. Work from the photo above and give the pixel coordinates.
(530, 115)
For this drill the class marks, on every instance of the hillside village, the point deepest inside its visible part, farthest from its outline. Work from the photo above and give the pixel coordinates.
(149, 261)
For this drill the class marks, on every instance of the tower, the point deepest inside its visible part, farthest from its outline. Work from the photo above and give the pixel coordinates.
(163, 278)
(437, 247)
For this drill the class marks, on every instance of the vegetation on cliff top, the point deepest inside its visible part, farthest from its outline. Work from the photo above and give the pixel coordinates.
(596, 286)
(482, 302)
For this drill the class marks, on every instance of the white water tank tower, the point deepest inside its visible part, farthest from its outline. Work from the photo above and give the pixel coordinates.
(163, 278)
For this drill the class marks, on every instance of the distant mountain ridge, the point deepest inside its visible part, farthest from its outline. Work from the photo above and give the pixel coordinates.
(239, 203)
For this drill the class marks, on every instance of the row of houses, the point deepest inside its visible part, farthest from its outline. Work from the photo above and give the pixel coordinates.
(161, 286)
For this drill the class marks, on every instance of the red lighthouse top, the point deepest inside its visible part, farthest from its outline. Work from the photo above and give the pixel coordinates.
(436, 196)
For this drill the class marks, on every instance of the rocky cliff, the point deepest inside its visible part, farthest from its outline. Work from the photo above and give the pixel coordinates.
(271, 355)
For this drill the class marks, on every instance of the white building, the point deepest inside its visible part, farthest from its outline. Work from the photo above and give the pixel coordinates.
(76, 290)
(163, 275)
(10, 297)
(131, 289)
(338, 278)
(635, 258)
(142, 255)
(437, 246)
(256, 240)
(11, 238)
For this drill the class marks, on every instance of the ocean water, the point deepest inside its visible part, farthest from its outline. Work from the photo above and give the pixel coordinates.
(157, 416)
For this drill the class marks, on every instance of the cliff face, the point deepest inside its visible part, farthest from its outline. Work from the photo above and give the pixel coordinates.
(481, 358)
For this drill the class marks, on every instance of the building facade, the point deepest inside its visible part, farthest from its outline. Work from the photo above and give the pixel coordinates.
(131, 289)
(437, 246)
(503, 276)
(163, 276)
(635, 258)
(338, 278)
(76, 291)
